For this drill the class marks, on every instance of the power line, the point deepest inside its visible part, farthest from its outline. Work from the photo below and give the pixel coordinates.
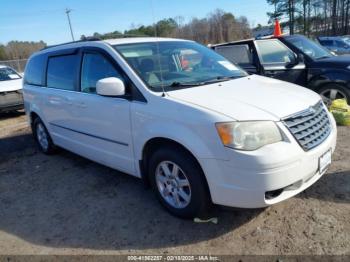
(69, 22)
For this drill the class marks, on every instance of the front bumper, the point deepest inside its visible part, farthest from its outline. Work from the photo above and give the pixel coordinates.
(10, 101)
(271, 174)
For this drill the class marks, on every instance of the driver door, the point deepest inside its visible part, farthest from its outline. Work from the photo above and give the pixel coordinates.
(279, 62)
(100, 125)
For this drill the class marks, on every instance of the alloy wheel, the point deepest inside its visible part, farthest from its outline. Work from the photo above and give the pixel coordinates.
(173, 184)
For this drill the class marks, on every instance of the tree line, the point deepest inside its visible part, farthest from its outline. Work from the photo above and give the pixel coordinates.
(15, 50)
(219, 26)
(313, 17)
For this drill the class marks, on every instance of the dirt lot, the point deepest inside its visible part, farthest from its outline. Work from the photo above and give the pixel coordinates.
(64, 204)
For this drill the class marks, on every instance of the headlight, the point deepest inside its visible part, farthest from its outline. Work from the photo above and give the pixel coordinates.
(248, 135)
(348, 67)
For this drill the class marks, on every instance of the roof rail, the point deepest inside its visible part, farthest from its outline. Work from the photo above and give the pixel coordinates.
(92, 38)
(85, 39)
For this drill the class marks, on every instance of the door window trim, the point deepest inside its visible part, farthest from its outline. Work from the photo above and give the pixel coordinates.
(273, 63)
(135, 94)
(64, 52)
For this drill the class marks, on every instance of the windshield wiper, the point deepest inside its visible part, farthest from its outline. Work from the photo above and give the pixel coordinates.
(219, 79)
(179, 84)
(211, 81)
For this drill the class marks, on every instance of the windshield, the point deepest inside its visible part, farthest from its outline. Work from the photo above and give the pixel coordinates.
(7, 73)
(309, 47)
(177, 64)
(346, 39)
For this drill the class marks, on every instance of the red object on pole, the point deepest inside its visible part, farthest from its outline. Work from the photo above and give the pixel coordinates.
(277, 32)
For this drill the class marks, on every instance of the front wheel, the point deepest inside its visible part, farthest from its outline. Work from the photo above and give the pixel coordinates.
(179, 183)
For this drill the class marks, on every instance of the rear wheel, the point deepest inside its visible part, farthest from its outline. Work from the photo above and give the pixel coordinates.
(42, 137)
(178, 182)
(332, 92)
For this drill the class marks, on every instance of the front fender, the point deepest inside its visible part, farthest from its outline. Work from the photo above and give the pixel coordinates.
(200, 147)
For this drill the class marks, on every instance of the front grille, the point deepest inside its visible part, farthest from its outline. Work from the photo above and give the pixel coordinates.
(310, 127)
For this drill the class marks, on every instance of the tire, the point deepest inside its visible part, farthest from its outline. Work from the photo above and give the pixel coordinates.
(192, 200)
(42, 137)
(334, 91)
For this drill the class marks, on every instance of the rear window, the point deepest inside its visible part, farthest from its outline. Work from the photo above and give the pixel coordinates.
(34, 70)
(238, 54)
(62, 72)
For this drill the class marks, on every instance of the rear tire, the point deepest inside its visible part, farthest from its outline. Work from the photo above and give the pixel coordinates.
(42, 137)
(179, 183)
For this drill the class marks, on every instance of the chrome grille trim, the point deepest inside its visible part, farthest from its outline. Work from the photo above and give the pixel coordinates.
(309, 127)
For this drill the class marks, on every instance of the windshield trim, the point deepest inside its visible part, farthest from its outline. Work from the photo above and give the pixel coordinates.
(167, 88)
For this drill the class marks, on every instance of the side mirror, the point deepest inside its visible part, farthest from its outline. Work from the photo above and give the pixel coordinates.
(110, 86)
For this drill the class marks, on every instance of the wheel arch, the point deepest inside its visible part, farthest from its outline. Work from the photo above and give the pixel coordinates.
(320, 81)
(156, 142)
(32, 116)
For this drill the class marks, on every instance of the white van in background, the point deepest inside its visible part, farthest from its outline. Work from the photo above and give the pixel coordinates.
(11, 98)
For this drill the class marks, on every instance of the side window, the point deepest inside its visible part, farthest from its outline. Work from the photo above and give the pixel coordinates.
(274, 52)
(62, 72)
(238, 54)
(95, 67)
(34, 70)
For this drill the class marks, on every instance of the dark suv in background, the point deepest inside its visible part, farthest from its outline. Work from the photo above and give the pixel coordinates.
(293, 58)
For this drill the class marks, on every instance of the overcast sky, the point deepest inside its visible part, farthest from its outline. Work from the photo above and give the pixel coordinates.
(46, 20)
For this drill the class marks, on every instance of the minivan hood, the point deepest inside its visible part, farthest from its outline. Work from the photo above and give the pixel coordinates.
(10, 85)
(250, 98)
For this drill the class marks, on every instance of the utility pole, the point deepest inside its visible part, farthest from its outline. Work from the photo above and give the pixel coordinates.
(70, 24)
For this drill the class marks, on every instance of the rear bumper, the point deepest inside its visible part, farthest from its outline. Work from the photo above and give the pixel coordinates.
(10, 101)
(266, 176)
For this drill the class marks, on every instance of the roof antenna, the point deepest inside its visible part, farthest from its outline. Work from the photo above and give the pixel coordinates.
(158, 50)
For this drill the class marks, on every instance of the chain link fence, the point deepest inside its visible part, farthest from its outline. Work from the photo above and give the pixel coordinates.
(18, 64)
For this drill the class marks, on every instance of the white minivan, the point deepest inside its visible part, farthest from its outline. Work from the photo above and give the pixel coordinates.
(196, 127)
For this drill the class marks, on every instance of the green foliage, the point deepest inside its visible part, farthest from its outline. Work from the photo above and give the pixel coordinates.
(19, 49)
(313, 17)
(3, 52)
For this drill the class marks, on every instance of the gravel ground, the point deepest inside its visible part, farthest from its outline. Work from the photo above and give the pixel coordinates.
(65, 204)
